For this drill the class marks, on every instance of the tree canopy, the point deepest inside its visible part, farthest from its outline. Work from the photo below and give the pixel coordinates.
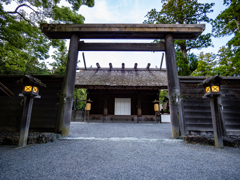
(22, 44)
(183, 12)
(228, 23)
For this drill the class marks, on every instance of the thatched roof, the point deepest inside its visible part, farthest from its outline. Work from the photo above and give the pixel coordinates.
(121, 78)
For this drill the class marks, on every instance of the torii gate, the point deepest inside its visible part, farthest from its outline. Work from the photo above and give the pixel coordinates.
(168, 32)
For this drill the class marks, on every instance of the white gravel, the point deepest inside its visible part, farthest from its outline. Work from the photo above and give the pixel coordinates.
(119, 159)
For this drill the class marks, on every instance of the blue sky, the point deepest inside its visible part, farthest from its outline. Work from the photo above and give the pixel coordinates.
(133, 11)
(130, 11)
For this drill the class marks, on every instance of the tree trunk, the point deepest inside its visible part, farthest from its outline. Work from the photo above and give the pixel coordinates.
(238, 23)
(183, 50)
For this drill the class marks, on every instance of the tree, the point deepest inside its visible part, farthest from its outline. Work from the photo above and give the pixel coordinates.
(206, 65)
(60, 56)
(81, 95)
(185, 65)
(228, 23)
(21, 40)
(225, 64)
(183, 12)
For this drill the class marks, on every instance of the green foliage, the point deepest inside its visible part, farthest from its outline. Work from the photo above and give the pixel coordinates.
(183, 12)
(60, 56)
(81, 95)
(182, 64)
(162, 95)
(228, 23)
(227, 64)
(186, 65)
(206, 64)
(22, 44)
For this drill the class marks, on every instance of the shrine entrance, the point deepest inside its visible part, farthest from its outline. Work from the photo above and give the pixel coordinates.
(167, 32)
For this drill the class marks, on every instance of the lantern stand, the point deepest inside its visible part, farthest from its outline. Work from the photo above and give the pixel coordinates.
(30, 91)
(212, 89)
(88, 107)
(156, 109)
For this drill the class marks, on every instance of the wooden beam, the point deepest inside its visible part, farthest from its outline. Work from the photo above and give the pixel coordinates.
(110, 65)
(84, 61)
(139, 110)
(121, 46)
(98, 65)
(148, 65)
(123, 65)
(122, 31)
(68, 88)
(105, 107)
(26, 117)
(217, 128)
(173, 84)
(161, 61)
(135, 66)
(75, 104)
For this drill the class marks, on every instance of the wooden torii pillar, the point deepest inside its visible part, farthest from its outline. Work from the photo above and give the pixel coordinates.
(173, 83)
(169, 32)
(68, 87)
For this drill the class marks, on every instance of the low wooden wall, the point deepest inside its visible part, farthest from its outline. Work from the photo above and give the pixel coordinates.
(197, 110)
(44, 112)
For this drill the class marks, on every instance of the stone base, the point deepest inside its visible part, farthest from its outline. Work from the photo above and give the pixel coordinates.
(230, 141)
(12, 138)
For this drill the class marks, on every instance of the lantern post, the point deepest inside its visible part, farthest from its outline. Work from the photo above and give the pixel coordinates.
(88, 107)
(29, 92)
(156, 108)
(212, 91)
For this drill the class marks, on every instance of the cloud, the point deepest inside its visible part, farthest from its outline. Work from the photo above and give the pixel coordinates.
(100, 13)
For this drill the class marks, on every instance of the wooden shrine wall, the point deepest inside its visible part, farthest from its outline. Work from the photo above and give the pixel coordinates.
(44, 112)
(197, 110)
(147, 96)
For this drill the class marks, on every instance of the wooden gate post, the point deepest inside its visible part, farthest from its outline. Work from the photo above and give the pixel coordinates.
(216, 120)
(139, 109)
(105, 106)
(26, 117)
(68, 87)
(173, 83)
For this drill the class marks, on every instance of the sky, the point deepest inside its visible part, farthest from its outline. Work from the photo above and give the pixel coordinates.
(130, 11)
(133, 11)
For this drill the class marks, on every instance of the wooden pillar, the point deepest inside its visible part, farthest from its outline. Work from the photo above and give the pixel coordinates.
(26, 117)
(173, 83)
(74, 109)
(217, 127)
(139, 109)
(68, 87)
(224, 132)
(181, 118)
(105, 106)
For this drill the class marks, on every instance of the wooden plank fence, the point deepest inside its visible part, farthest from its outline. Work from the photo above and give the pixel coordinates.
(197, 110)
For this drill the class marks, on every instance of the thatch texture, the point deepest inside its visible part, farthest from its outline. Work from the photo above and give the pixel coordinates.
(120, 77)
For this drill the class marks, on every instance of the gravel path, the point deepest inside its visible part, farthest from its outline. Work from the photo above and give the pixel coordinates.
(104, 159)
(107, 130)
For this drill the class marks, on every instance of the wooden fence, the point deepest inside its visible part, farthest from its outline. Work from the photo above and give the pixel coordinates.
(197, 111)
(44, 112)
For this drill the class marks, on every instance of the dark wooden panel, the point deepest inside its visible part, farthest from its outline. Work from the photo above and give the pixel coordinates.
(121, 46)
(201, 127)
(198, 120)
(197, 110)
(44, 112)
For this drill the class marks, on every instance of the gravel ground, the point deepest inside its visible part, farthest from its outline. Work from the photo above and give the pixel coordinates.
(107, 130)
(95, 159)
